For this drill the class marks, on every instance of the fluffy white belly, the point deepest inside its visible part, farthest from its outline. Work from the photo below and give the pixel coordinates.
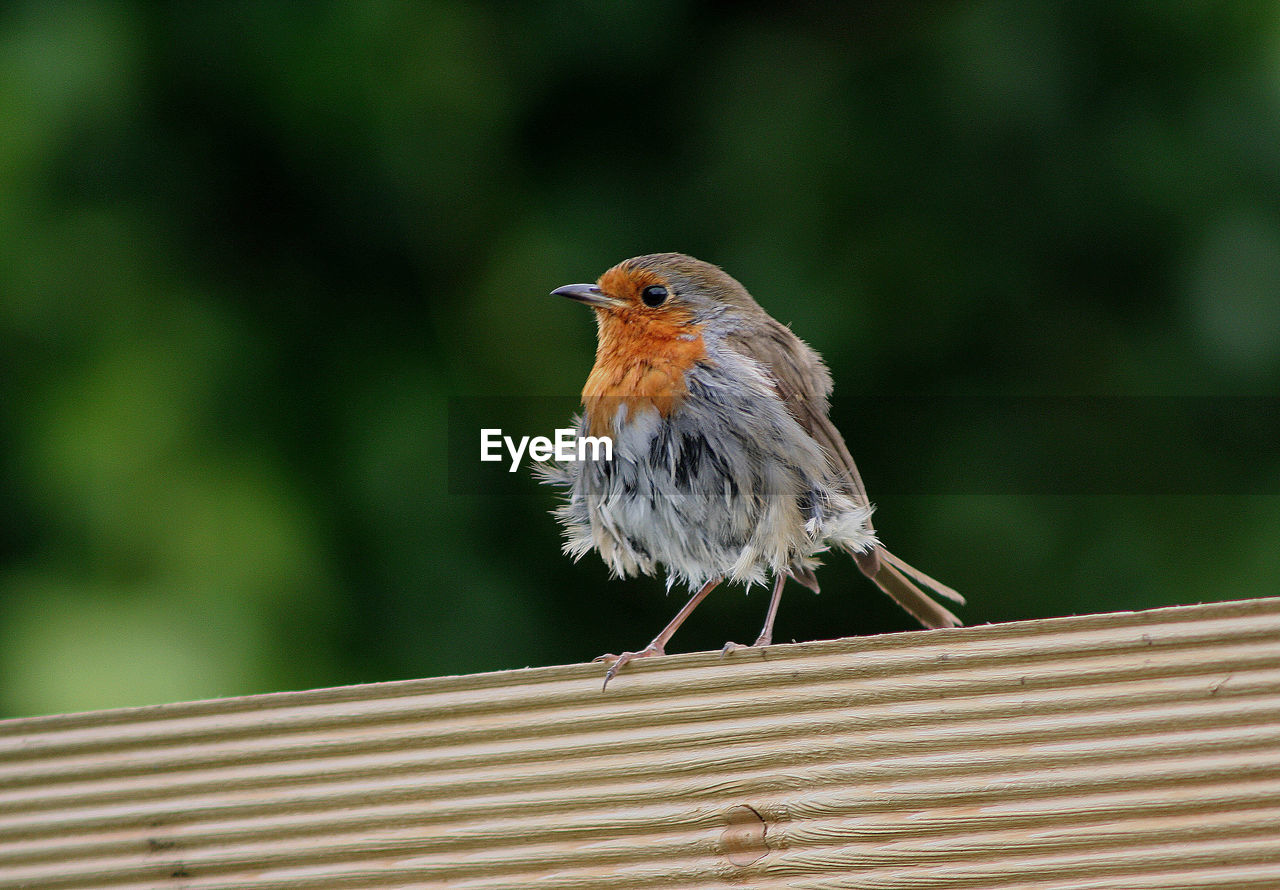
(704, 500)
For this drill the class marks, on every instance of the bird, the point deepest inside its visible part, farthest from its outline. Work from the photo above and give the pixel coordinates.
(725, 464)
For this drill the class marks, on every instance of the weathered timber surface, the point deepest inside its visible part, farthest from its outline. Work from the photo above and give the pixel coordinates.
(1129, 750)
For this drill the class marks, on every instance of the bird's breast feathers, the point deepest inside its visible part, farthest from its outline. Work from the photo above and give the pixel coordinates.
(641, 363)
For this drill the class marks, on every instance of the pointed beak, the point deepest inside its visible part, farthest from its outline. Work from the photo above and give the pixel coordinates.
(586, 293)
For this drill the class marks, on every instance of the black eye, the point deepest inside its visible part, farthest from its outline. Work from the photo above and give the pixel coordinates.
(654, 295)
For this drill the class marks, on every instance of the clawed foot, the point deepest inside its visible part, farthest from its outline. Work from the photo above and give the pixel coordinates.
(617, 661)
(731, 647)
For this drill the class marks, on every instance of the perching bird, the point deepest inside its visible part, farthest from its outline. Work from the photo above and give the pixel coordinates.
(725, 465)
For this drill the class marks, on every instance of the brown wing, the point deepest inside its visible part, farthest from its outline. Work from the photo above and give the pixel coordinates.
(804, 385)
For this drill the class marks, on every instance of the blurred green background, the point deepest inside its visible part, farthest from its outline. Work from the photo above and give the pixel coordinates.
(250, 252)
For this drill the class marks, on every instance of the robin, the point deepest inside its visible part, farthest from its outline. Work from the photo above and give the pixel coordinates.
(725, 465)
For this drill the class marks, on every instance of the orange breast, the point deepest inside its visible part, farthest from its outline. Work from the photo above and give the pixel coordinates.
(641, 360)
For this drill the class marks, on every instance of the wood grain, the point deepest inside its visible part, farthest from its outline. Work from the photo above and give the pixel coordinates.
(1131, 750)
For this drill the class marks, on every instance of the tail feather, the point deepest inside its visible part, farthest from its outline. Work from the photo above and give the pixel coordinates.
(891, 575)
(936, 586)
(807, 578)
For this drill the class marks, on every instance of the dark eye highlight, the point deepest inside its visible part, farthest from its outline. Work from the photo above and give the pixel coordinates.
(654, 295)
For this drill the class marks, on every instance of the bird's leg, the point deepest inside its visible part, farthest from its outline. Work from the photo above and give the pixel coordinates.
(766, 633)
(658, 646)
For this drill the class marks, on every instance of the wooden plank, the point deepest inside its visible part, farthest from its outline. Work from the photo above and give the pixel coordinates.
(1131, 750)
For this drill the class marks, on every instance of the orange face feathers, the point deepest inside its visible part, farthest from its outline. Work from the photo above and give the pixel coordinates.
(647, 342)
